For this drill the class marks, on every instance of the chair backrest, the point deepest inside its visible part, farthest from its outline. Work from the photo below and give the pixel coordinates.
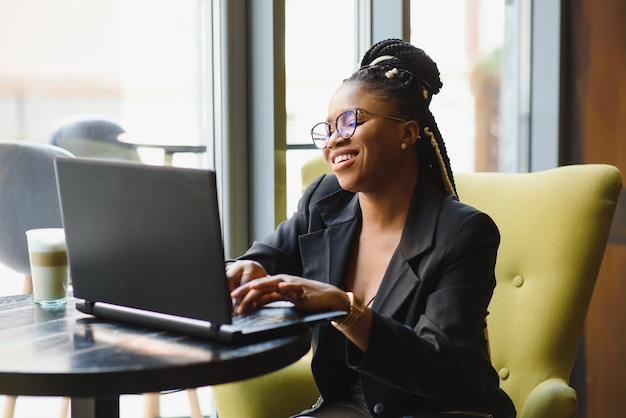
(554, 226)
(28, 197)
(93, 137)
(313, 168)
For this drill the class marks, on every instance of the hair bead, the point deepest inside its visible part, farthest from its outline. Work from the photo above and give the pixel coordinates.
(392, 73)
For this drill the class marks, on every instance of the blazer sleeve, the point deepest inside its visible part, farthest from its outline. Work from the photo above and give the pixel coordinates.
(279, 252)
(432, 341)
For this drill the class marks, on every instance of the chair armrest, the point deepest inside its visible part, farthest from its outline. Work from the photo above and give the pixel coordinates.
(552, 398)
(170, 150)
(173, 149)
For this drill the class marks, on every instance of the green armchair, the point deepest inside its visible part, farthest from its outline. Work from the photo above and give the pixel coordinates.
(554, 226)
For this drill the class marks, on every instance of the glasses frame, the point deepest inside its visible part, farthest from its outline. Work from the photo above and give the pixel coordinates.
(322, 143)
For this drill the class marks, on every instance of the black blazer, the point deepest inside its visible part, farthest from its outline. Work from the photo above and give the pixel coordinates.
(427, 350)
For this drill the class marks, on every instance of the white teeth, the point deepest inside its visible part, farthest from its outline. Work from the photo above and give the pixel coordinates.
(343, 157)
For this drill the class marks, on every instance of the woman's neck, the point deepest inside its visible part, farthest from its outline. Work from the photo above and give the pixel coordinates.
(389, 207)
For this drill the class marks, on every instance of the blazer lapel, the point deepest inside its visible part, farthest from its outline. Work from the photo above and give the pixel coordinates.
(324, 252)
(400, 279)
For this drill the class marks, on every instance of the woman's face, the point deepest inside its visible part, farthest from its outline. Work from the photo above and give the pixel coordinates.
(372, 157)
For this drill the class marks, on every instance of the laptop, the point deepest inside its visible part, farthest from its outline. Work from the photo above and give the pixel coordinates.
(145, 246)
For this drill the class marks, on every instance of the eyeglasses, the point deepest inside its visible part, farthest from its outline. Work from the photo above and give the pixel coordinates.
(345, 124)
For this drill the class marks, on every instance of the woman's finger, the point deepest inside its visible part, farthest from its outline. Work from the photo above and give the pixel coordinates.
(255, 299)
(243, 271)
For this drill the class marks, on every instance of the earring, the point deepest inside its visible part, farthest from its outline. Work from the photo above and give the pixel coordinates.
(403, 146)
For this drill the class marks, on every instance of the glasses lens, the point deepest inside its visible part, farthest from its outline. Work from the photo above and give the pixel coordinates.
(346, 124)
(320, 134)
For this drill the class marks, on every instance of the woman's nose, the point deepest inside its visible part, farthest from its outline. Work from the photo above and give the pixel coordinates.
(334, 139)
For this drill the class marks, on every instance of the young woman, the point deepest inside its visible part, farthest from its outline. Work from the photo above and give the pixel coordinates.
(386, 239)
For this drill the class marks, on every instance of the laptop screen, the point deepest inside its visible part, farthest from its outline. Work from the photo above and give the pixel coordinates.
(143, 236)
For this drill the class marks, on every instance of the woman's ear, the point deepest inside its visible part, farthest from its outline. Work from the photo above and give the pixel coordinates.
(411, 132)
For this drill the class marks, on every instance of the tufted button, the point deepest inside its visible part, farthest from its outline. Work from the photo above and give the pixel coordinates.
(379, 408)
(518, 281)
(504, 373)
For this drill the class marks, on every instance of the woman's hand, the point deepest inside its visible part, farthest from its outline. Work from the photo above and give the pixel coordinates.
(252, 288)
(305, 294)
(242, 271)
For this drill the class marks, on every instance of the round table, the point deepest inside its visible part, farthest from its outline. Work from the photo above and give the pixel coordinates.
(67, 353)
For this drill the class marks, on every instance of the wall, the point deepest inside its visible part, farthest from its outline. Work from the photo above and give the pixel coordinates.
(593, 113)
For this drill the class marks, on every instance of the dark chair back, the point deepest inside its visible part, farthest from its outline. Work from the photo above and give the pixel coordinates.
(28, 197)
(94, 137)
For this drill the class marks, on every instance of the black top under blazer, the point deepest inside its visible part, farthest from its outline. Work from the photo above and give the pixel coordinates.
(427, 351)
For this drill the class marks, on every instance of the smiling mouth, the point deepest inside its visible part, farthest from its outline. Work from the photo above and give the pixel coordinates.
(343, 157)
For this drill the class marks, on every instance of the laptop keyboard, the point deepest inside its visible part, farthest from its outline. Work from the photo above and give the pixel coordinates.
(264, 318)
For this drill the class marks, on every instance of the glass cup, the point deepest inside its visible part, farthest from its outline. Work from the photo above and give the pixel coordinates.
(48, 265)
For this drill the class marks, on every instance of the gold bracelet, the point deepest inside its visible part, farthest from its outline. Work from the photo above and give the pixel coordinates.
(357, 308)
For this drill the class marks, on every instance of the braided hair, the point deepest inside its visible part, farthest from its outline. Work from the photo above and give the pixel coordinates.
(403, 74)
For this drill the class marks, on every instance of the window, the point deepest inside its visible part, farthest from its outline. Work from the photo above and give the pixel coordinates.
(316, 60)
(466, 45)
(134, 62)
(138, 63)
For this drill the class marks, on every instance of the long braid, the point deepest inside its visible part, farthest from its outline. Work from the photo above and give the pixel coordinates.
(400, 72)
(442, 165)
(437, 148)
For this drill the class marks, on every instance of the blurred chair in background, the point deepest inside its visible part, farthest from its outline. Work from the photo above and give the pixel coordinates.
(28, 199)
(97, 137)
